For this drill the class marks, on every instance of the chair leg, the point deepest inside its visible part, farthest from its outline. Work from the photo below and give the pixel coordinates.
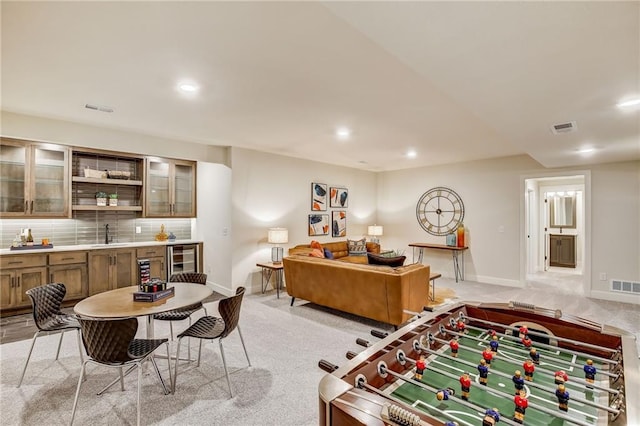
(121, 379)
(75, 401)
(116, 380)
(224, 362)
(199, 352)
(171, 329)
(175, 373)
(139, 385)
(155, 366)
(24, 370)
(59, 344)
(169, 365)
(189, 344)
(80, 346)
(243, 346)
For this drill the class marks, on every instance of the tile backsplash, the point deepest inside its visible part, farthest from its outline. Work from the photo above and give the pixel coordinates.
(88, 227)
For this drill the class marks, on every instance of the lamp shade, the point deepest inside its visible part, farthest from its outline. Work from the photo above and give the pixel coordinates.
(278, 236)
(375, 230)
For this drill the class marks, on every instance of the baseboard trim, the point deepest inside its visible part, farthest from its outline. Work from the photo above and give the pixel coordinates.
(634, 299)
(220, 289)
(496, 281)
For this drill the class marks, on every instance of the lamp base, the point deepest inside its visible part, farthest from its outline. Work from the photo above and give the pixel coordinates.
(276, 254)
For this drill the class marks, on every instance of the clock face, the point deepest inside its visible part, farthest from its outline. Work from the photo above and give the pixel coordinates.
(439, 211)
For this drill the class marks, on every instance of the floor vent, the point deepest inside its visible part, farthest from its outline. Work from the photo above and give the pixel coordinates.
(625, 286)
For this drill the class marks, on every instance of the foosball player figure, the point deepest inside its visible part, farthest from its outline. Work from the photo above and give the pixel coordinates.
(450, 423)
(528, 367)
(560, 377)
(535, 356)
(522, 403)
(483, 371)
(589, 372)
(444, 394)
(523, 331)
(526, 342)
(487, 355)
(491, 417)
(491, 332)
(518, 381)
(465, 384)
(461, 326)
(494, 343)
(454, 345)
(421, 364)
(563, 398)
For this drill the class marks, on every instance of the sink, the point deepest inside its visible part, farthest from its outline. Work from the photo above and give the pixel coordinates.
(109, 245)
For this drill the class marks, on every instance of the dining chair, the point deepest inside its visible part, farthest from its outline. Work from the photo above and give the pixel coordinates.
(211, 328)
(46, 301)
(183, 313)
(112, 343)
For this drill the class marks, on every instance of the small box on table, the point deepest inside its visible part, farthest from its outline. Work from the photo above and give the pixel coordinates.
(143, 296)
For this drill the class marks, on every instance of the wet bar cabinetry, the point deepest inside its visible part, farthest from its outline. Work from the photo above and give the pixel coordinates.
(122, 174)
(562, 250)
(157, 260)
(110, 269)
(70, 268)
(18, 274)
(170, 187)
(34, 179)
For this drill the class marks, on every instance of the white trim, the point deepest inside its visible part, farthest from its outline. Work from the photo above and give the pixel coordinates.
(616, 296)
(495, 280)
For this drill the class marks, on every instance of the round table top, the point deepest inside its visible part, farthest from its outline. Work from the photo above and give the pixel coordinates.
(119, 303)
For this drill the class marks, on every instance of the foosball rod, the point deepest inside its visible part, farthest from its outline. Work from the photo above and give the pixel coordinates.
(575, 380)
(545, 346)
(535, 333)
(504, 395)
(532, 384)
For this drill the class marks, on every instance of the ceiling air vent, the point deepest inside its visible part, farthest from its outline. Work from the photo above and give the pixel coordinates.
(567, 127)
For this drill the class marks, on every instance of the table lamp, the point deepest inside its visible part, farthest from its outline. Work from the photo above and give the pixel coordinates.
(375, 231)
(277, 236)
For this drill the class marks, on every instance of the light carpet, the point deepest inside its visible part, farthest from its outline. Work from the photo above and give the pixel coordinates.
(284, 344)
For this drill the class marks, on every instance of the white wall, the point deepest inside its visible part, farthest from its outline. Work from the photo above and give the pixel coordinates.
(275, 191)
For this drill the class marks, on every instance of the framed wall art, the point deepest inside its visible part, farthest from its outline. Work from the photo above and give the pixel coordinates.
(318, 197)
(338, 223)
(339, 197)
(318, 224)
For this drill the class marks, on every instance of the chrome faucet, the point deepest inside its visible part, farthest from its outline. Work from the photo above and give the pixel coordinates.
(107, 240)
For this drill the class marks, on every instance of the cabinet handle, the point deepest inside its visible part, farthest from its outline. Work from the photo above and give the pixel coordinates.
(51, 277)
(31, 209)
(12, 282)
(17, 281)
(67, 258)
(26, 206)
(16, 262)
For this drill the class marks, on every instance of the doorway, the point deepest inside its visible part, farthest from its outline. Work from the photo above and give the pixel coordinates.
(556, 216)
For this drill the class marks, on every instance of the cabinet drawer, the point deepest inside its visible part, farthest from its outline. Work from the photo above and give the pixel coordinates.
(23, 261)
(67, 258)
(144, 252)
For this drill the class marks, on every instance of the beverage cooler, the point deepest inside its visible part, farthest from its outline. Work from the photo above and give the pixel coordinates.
(183, 258)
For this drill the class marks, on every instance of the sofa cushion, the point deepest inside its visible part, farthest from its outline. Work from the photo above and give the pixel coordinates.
(357, 247)
(328, 254)
(355, 259)
(376, 259)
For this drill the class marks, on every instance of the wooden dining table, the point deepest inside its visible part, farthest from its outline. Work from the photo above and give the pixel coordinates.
(119, 303)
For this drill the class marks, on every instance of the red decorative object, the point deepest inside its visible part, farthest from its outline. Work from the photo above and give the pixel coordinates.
(460, 235)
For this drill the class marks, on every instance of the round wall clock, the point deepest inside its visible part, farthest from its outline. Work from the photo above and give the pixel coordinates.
(440, 210)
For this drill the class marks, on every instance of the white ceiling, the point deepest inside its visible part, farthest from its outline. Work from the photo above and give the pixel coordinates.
(455, 81)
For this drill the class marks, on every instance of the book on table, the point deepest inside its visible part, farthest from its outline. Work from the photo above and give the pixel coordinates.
(143, 296)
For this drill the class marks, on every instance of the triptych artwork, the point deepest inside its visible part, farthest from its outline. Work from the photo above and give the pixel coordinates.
(335, 197)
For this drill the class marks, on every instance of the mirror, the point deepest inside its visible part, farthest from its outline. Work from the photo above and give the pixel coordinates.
(563, 211)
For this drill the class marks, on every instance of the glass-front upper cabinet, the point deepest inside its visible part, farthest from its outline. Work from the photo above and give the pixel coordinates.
(34, 179)
(170, 188)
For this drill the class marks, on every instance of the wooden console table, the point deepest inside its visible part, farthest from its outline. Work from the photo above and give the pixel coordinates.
(458, 269)
(267, 269)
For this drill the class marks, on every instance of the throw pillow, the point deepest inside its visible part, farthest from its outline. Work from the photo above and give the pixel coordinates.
(328, 254)
(357, 247)
(317, 253)
(315, 245)
(375, 259)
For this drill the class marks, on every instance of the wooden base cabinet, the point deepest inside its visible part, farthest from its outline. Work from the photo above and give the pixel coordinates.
(562, 250)
(111, 269)
(157, 260)
(19, 274)
(70, 268)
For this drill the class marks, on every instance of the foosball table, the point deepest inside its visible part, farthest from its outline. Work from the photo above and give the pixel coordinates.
(480, 364)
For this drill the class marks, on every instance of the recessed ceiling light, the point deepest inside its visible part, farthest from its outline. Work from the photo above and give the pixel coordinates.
(343, 133)
(629, 103)
(586, 150)
(412, 154)
(188, 87)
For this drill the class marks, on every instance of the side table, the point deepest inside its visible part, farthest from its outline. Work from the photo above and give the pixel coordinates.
(268, 268)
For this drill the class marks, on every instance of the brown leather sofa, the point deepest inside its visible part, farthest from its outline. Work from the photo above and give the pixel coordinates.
(381, 293)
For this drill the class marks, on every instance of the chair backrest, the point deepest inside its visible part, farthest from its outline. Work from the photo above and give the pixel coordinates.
(46, 301)
(229, 309)
(188, 277)
(107, 341)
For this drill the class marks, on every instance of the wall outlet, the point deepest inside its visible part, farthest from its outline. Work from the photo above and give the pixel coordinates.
(225, 232)
(603, 276)
(138, 229)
